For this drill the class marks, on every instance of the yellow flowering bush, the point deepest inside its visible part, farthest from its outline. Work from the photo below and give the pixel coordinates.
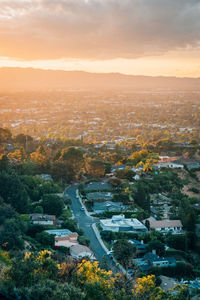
(144, 287)
(4, 257)
(41, 263)
(66, 270)
(90, 274)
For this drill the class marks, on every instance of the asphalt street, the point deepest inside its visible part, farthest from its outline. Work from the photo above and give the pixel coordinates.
(85, 223)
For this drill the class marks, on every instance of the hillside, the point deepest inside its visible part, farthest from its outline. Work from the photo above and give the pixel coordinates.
(13, 79)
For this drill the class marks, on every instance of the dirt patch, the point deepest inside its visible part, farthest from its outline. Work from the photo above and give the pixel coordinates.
(198, 175)
(189, 193)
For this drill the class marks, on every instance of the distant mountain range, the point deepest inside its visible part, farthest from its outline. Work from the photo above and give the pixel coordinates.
(12, 79)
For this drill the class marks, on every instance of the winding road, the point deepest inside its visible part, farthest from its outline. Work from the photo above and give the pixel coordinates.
(85, 223)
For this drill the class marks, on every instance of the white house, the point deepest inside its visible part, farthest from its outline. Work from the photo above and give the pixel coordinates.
(119, 223)
(80, 251)
(46, 177)
(165, 226)
(42, 219)
(169, 164)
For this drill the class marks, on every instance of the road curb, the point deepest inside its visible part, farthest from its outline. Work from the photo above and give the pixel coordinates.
(96, 231)
(99, 238)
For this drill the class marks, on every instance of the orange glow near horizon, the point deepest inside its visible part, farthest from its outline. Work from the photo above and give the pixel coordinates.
(174, 64)
(154, 38)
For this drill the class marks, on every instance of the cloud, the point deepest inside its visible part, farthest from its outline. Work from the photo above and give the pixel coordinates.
(97, 29)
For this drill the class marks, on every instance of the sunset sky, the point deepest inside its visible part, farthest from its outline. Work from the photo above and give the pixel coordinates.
(150, 37)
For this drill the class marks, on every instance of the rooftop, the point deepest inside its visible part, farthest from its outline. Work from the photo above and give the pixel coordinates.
(42, 217)
(79, 249)
(118, 167)
(164, 223)
(60, 232)
(120, 221)
(98, 186)
(99, 196)
(150, 259)
(108, 205)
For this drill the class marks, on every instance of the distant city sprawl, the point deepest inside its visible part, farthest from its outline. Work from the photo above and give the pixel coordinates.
(97, 117)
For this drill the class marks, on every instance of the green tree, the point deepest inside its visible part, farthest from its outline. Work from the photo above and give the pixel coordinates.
(40, 157)
(33, 229)
(177, 241)
(52, 204)
(95, 167)
(13, 192)
(74, 157)
(38, 210)
(11, 235)
(6, 212)
(141, 197)
(123, 252)
(4, 162)
(23, 139)
(45, 239)
(51, 290)
(33, 268)
(191, 220)
(158, 246)
(5, 135)
(63, 171)
(125, 174)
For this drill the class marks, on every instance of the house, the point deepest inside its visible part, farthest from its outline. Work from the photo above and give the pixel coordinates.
(9, 147)
(98, 146)
(118, 167)
(80, 251)
(64, 237)
(161, 211)
(165, 226)
(98, 186)
(136, 177)
(99, 196)
(42, 219)
(190, 164)
(168, 164)
(158, 199)
(185, 145)
(119, 223)
(101, 207)
(167, 158)
(46, 177)
(139, 245)
(150, 260)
